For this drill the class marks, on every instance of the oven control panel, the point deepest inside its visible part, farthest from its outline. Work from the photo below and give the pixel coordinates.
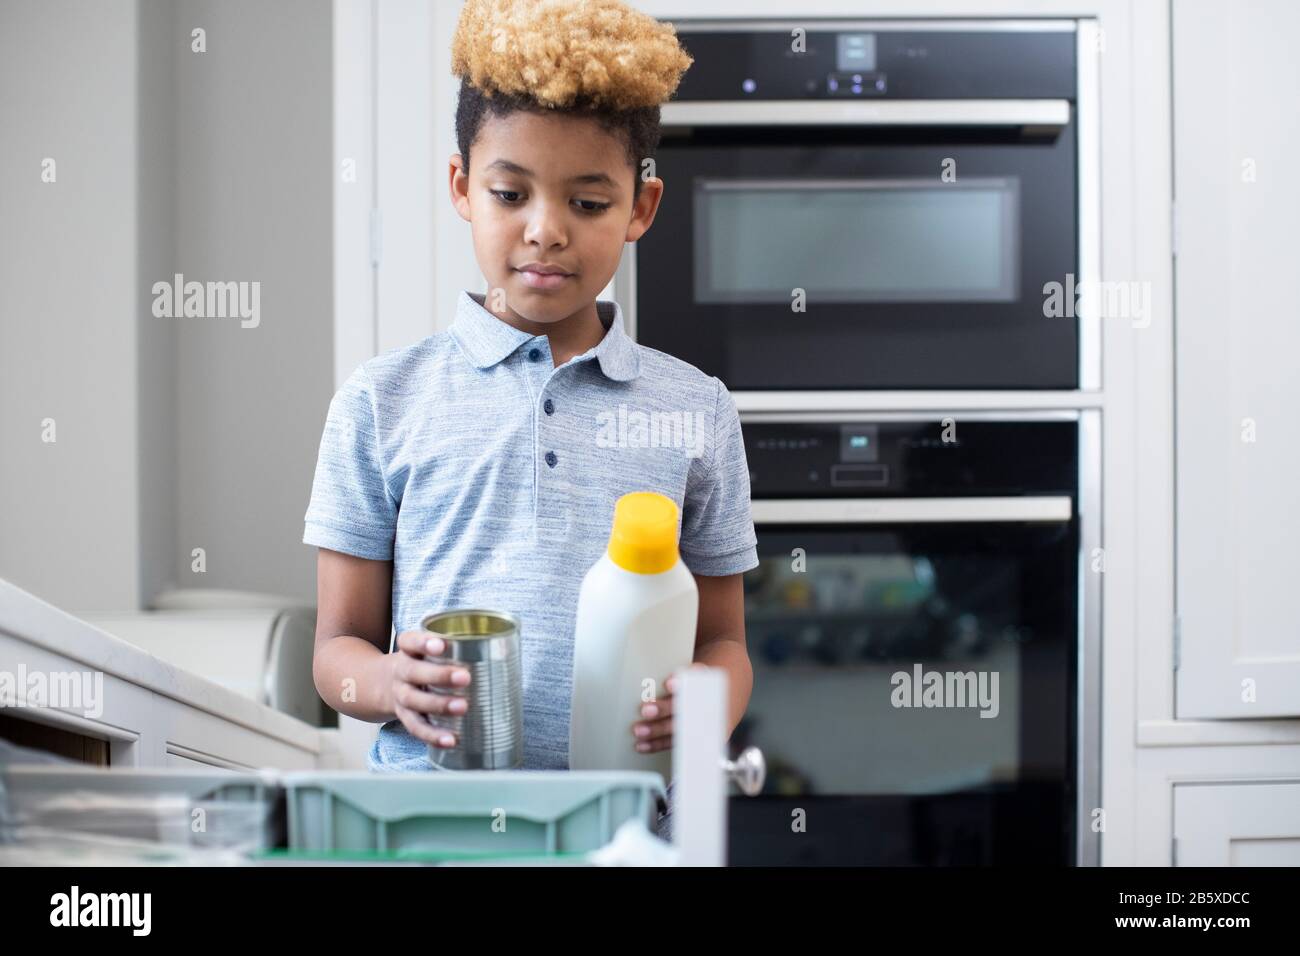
(940, 457)
(869, 61)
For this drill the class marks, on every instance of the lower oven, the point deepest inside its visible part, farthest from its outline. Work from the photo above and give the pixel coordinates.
(922, 627)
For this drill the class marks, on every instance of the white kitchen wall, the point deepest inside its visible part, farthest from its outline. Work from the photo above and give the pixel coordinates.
(172, 433)
(254, 152)
(70, 317)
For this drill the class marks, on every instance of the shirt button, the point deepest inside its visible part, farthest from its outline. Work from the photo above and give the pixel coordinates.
(549, 407)
(534, 354)
(551, 459)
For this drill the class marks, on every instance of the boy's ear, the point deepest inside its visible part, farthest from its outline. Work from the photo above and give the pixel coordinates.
(458, 185)
(645, 208)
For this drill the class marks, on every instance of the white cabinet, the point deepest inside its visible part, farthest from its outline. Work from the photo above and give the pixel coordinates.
(58, 670)
(1237, 824)
(1236, 195)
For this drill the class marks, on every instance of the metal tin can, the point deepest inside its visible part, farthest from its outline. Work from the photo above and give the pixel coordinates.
(490, 734)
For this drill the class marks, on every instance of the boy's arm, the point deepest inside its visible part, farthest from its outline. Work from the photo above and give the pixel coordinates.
(351, 666)
(719, 545)
(720, 639)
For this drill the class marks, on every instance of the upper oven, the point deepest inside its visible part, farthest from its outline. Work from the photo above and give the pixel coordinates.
(872, 206)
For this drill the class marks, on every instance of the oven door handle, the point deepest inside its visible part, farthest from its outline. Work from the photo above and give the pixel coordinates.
(768, 511)
(1040, 115)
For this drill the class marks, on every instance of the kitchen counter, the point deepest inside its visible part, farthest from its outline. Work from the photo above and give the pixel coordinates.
(152, 713)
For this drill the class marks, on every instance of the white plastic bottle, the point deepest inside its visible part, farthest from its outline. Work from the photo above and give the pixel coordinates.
(637, 613)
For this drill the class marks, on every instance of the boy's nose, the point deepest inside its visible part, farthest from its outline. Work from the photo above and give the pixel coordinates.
(546, 227)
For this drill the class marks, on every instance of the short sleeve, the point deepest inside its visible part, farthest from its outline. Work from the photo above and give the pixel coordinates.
(351, 509)
(717, 525)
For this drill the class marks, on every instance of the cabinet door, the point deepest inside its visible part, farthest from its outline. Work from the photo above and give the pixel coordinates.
(1237, 338)
(1237, 824)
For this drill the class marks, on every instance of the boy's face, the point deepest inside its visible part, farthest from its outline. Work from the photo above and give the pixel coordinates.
(554, 190)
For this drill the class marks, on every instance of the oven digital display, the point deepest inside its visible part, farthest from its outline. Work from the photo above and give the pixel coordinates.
(855, 52)
(859, 442)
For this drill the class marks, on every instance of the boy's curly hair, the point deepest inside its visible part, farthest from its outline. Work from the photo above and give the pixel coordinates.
(595, 58)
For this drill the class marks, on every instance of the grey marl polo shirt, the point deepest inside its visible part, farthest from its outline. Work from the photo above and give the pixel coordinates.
(489, 478)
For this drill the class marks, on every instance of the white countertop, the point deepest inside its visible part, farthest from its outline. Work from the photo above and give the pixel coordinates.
(29, 619)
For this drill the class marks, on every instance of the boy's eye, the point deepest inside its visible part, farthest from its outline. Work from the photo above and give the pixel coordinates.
(510, 198)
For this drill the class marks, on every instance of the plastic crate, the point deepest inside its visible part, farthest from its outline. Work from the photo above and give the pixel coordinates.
(463, 815)
(128, 806)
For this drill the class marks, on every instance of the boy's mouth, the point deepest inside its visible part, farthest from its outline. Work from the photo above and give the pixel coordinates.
(543, 280)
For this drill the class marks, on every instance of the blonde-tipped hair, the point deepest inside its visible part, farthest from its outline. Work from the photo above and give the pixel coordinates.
(561, 52)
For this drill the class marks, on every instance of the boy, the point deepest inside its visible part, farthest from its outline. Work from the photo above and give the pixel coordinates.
(478, 467)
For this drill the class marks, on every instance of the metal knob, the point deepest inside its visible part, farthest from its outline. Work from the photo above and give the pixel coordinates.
(749, 770)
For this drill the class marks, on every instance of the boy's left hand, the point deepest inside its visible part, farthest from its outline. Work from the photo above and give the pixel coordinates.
(654, 731)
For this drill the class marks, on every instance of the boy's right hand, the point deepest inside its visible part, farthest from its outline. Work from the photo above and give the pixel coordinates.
(413, 703)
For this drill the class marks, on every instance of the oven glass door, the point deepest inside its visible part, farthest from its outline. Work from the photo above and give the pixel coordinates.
(877, 258)
(913, 691)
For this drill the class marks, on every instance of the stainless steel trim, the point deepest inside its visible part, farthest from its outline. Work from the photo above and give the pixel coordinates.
(1014, 415)
(1088, 144)
(734, 183)
(812, 23)
(871, 403)
(1048, 114)
(1088, 702)
(909, 510)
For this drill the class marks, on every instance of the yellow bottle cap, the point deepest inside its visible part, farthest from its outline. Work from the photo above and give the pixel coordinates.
(644, 537)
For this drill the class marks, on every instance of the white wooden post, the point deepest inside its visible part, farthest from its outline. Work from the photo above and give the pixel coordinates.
(700, 786)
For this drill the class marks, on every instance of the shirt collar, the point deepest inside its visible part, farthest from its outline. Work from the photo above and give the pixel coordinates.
(486, 339)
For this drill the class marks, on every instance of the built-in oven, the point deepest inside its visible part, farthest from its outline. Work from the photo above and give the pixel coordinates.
(923, 629)
(873, 205)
